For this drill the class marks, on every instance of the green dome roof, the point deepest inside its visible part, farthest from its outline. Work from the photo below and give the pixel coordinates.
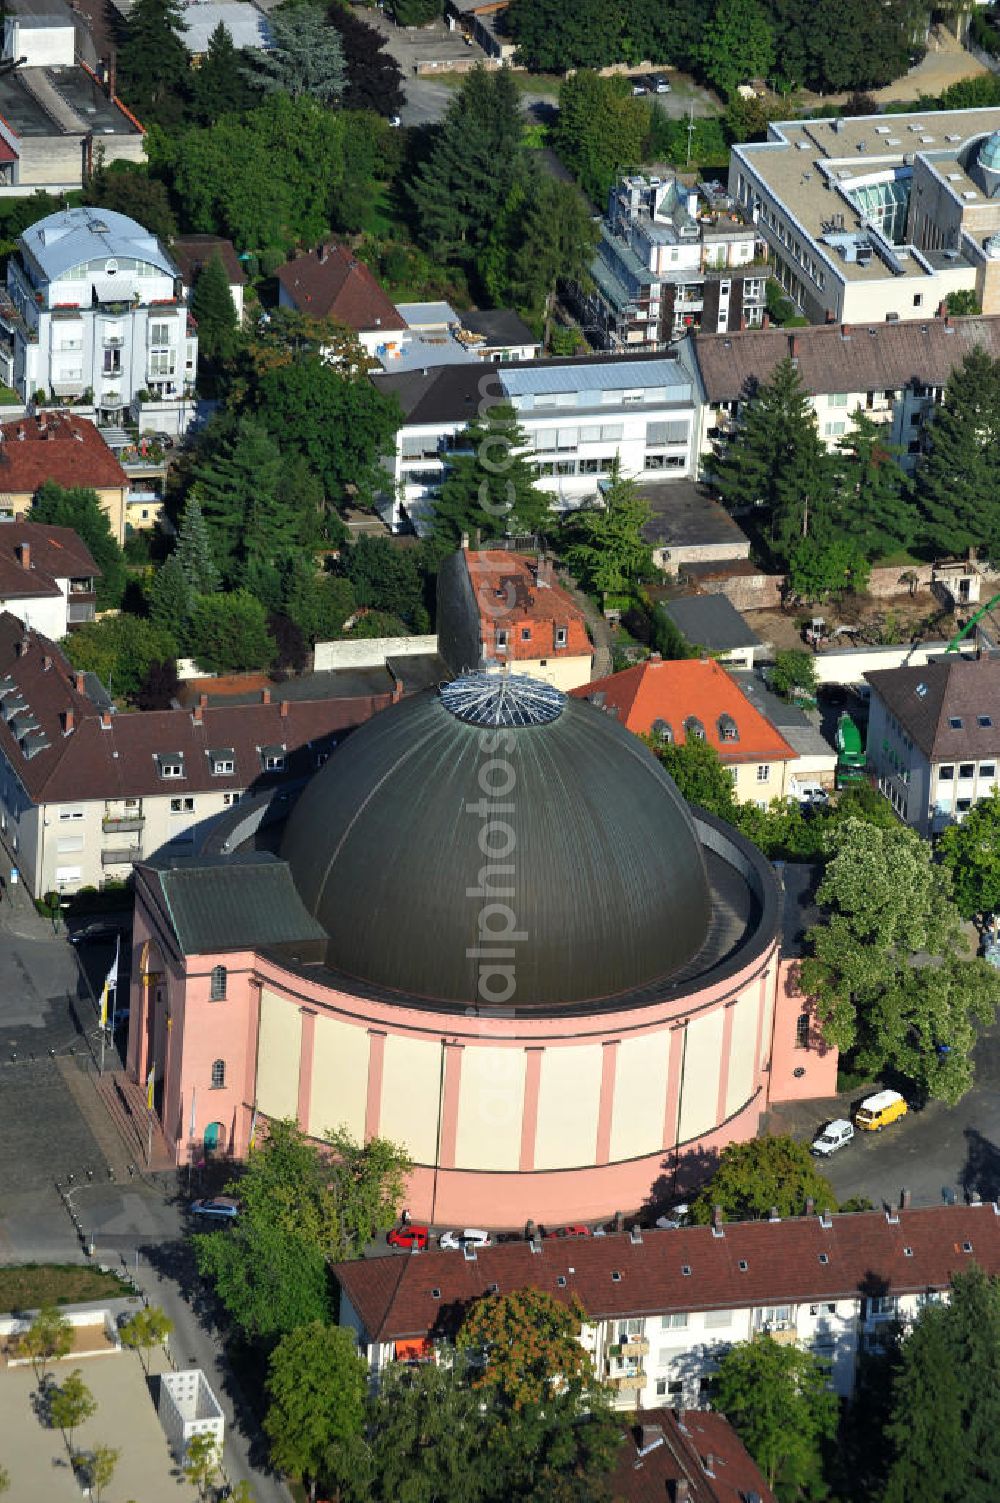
(394, 839)
(989, 153)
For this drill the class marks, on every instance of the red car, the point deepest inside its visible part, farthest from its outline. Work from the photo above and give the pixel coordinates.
(409, 1236)
(578, 1230)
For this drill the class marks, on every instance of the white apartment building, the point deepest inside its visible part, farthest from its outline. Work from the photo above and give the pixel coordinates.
(672, 259)
(934, 737)
(578, 417)
(94, 310)
(878, 216)
(663, 1305)
(895, 373)
(85, 792)
(47, 577)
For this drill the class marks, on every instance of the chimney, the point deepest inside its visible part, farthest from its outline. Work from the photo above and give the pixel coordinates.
(810, 1205)
(773, 1214)
(942, 310)
(24, 555)
(283, 709)
(105, 720)
(717, 1216)
(682, 1490)
(845, 331)
(203, 701)
(765, 322)
(465, 542)
(46, 663)
(794, 346)
(321, 254)
(265, 696)
(112, 75)
(655, 657)
(831, 317)
(66, 721)
(397, 690)
(904, 1201)
(80, 683)
(196, 715)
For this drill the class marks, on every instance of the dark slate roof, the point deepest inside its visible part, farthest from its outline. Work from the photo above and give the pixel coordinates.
(711, 621)
(843, 357)
(234, 903)
(926, 700)
(499, 326)
(660, 1449)
(684, 515)
(193, 253)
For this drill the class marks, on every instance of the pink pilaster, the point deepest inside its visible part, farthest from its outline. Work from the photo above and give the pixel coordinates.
(606, 1105)
(449, 1105)
(673, 1085)
(376, 1062)
(727, 1047)
(529, 1122)
(307, 1045)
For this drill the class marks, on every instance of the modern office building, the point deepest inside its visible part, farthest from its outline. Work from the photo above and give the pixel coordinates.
(877, 216)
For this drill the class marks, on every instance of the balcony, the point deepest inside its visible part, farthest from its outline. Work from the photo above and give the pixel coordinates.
(636, 1346)
(121, 855)
(80, 611)
(633, 1382)
(782, 1335)
(113, 341)
(123, 824)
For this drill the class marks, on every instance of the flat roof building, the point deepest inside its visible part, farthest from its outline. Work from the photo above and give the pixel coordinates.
(878, 216)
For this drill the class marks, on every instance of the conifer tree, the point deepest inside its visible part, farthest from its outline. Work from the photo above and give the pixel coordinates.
(153, 61)
(194, 550)
(212, 306)
(777, 461)
(306, 56)
(489, 486)
(875, 507)
(958, 485)
(926, 1427)
(170, 599)
(220, 85)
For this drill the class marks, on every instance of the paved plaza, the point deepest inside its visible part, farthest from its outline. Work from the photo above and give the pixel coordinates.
(126, 1419)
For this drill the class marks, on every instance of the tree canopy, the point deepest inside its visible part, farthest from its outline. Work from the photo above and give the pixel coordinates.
(316, 1386)
(779, 1400)
(531, 1343)
(765, 1174)
(80, 509)
(971, 852)
(489, 486)
(153, 61)
(603, 543)
(120, 650)
(214, 312)
(958, 483)
(894, 980)
(306, 57)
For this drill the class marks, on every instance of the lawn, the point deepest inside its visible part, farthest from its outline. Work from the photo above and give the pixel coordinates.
(28, 1286)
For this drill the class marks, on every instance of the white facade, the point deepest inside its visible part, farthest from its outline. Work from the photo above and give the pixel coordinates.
(187, 1407)
(929, 795)
(95, 304)
(577, 418)
(47, 614)
(42, 41)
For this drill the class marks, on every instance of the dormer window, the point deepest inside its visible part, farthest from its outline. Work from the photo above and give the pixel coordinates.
(694, 728)
(562, 636)
(728, 730)
(272, 758)
(171, 764)
(501, 640)
(222, 761)
(663, 731)
(525, 633)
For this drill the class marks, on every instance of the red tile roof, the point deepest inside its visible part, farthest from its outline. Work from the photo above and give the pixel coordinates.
(53, 553)
(331, 283)
(660, 1448)
(675, 691)
(519, 595)
(116, 756)
(864, 1253)
(56, 446)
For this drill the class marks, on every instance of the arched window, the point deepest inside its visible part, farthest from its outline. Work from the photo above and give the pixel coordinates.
(218, 990)
(663, 731)
(218, 1074)
(693, 727)
(728, 729)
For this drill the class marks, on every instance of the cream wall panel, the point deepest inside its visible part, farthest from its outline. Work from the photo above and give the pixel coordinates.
(700, 1096)
(568, 1102)
(411, 1087)
(491, 1108)
(339, 1078)
(765, 1033)
(741, 1054)
(640, 1096)
(278, 1056)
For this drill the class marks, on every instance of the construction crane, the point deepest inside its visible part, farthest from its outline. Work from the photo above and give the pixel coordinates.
(960, 636)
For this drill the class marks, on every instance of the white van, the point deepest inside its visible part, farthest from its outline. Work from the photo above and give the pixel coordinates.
(835, 1135)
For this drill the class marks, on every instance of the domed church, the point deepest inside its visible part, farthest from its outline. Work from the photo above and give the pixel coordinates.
(488, 928)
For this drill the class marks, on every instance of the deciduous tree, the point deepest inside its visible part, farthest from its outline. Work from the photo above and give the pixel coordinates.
(147, 1328)
(738, 44)
(779, 1400)
(531, 1345)
(49, 1337)
(127, 188)
(270, 1279)
(386, 577)
(765, 1173)
(600, 129)
(202, 1462)
(228, 633)
(374, 78)
(102, 1463)
(120, 650)
(316, 1388)
(971, 852)
(71, 1404)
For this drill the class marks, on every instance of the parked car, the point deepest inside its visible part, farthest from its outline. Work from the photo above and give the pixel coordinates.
(472, 1236)
(835, 1135)
(659, 84)
(576, 1230)
(639, 87)
(221, 1206)
(409, 1236)
(809, 794)
(95, 931)
(878, 1111)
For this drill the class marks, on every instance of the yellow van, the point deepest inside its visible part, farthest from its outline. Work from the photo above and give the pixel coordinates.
(878, 1111)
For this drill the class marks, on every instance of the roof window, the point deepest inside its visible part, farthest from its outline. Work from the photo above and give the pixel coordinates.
(966, 1246)
(561, 1280)
(955, 722)
(824, 1257)
(435, 1294)
(686, 1270)
(728, 729)
(921, 690)
(616, 1276)
(984, 721)
(907, 1252)
(743, 1265)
